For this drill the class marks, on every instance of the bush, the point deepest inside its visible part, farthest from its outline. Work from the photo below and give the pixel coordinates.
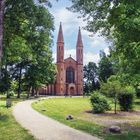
(138, 92)
(99, 103)
(126, 98)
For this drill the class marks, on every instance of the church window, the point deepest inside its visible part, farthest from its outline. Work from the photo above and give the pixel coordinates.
(70, 75)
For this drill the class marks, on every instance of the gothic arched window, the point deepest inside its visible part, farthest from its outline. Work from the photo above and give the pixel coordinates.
(69, 75)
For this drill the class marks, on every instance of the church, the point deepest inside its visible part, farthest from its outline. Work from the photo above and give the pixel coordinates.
(69, 77)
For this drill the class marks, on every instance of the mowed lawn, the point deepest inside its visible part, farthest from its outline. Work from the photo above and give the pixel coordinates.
(9, 128)
(79, 108)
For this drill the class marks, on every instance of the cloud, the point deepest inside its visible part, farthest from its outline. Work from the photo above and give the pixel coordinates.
(106, 50)
(69, 52)
(92, 45)
(91, 57)
(69, 20)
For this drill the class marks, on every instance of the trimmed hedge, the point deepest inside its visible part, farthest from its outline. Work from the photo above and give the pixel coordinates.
(99, 103)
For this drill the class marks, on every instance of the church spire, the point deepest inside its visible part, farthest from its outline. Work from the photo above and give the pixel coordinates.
(60, 35)
(60, 45)
(79, 39)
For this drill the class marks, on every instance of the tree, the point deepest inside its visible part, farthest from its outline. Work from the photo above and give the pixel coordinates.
(2, 7)
(91, 76)
(18, 56)
(105, 67)
(41, 73)
(5, 81)
(27, 41)
(112, 89)
(118, 21)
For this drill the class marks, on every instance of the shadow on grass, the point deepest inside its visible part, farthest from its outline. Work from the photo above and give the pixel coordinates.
(2, 98)
(3, 117)
(137, 102)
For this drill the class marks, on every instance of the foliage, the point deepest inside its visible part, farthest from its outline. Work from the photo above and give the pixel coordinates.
(94, 74)
(2, 7)
(119, 22)
(99, 103)
(112, 89)
(105, 67)
(5, 81)
(91, 77)
(113, 86)
(138, 91)
(126, 98)
(28, 27)
(122, 93)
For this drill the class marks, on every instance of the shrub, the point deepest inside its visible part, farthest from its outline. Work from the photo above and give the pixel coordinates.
(112, 89)
(138, 92)
(99, 103)
(126, 98)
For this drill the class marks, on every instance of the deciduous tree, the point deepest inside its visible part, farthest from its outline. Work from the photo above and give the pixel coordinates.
(119, 21)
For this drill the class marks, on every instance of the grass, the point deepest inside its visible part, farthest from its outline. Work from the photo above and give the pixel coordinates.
(9, 128)
(60, 108)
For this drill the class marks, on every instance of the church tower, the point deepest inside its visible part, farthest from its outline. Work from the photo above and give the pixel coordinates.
(79, 59)
(60, 81)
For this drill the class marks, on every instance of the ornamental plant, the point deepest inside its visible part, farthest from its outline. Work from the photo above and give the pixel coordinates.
(99, 103)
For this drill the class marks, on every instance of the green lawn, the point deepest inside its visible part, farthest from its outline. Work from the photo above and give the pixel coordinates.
(9, 128)
(59, 108)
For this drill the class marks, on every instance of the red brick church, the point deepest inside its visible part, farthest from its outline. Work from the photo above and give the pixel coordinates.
(69, 78)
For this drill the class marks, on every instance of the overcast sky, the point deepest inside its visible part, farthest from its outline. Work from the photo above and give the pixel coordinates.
(70, 25)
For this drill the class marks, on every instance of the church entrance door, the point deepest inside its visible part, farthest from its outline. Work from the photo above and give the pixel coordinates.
(71, 91)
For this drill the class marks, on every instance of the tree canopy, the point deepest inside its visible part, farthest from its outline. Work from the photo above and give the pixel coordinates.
(27, 55)
(118, 21)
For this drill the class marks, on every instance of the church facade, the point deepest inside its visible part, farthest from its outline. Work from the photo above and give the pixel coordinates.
(69, 77)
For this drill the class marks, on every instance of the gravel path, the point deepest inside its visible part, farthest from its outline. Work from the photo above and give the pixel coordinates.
(44, 128)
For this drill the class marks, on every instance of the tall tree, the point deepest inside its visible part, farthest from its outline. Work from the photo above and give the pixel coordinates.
(2, 7)
(27, 41)
(118, 20)
(105, 68)
(91, 76)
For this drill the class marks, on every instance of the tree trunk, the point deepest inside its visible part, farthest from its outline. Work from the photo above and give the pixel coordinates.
(19, 82)
(2, 7)
(28, 93)
(33, 91)
(115, 101)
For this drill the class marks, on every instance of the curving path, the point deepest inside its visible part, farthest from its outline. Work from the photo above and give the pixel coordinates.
(44, 128)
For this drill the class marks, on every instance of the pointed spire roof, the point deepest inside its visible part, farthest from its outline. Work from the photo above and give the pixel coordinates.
(79, 39)
(60, 34)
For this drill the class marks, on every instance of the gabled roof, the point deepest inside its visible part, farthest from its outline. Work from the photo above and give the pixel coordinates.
(70, 58)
